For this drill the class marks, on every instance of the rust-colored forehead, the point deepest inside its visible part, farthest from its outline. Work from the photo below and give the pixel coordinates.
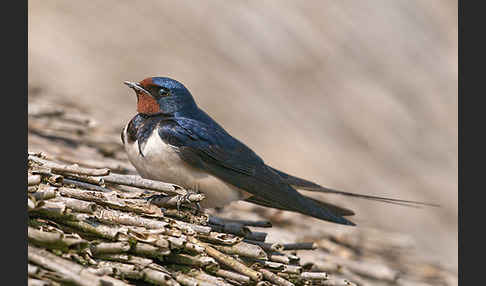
(146, 82)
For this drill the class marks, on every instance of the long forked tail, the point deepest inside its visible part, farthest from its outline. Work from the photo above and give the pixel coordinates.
(306, 185)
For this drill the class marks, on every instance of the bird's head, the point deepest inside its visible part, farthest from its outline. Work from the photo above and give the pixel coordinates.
(161, 95)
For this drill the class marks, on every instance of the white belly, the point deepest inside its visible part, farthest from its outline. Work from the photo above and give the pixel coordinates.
(162, 163)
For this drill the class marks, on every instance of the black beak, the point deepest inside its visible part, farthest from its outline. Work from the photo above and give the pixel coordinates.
(137, 87)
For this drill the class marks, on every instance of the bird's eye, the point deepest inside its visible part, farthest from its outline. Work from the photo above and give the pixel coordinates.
(163, 92)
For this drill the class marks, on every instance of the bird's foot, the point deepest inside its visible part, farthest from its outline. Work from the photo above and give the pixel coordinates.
(188, 200)
(191, 198)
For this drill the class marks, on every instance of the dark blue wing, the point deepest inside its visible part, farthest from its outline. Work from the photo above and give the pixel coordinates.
(209, 143)
(215, 151)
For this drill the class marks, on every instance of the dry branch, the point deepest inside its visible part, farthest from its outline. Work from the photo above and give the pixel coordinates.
(201, 275)
(220, 238)
(266, 246)
(33, 180)
(279, 258)
(37, 282)
(77, 205)
(55, 240)
(83, 185)
(175, 201)
(300, 246)
(45, 192)
(124, 258)
(70, 271)
(110, 200)
(257, 236)
(275, 278)
(139, 182)
(233, 276)
(190, 281)
(232, 263)
(158, 278)
(110, 247)
(314, 275)
(68, 169)
(243, 249)
(195, 261)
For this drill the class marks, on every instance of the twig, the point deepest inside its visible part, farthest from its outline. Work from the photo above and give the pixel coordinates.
(109, 200)
(190, 281)
(326, 266)
(187, 216)
(32, 269)
(232, 263)
(85, 185)
(265, 245)
(45, 192)
(33, 180)
(70, 271)
(77, 205)
(276, 266)
(32, 189)
(279, 258)
(256, 235)
(125, 218)
(192, 247)
(300, 246)
(90, 225)
(243, 249)
(174, 201)
(233, 228)
(97, 181)
(314, 275)
(200, 275)
(220, 238)
(145, 249)
(70, 169)
(190, 227)
(53, 179)
(110, 247)
(50, 209)
(197, 261)
(55, 240)
(158, 277)
(139, 182)
(124, 258)
(31, 205)
(119, 269)
(183, 243)
(233, 276)
(275, 278)
(337, 282)
(152, 236)
(37, 282)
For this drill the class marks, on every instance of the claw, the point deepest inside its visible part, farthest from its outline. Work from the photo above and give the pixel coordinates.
(177, 201)
(185, 200)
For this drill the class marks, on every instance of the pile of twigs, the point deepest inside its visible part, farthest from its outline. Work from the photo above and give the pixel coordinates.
(93, 221)
(120, 234)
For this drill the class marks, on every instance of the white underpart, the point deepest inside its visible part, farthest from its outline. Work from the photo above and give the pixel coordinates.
(162, 163)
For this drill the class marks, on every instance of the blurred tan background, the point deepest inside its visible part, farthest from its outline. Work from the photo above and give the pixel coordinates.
(355, 95)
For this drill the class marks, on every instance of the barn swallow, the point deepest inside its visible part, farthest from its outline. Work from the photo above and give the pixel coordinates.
(172, 140)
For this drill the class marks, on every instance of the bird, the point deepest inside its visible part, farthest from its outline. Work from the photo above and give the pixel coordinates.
(171, 139)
